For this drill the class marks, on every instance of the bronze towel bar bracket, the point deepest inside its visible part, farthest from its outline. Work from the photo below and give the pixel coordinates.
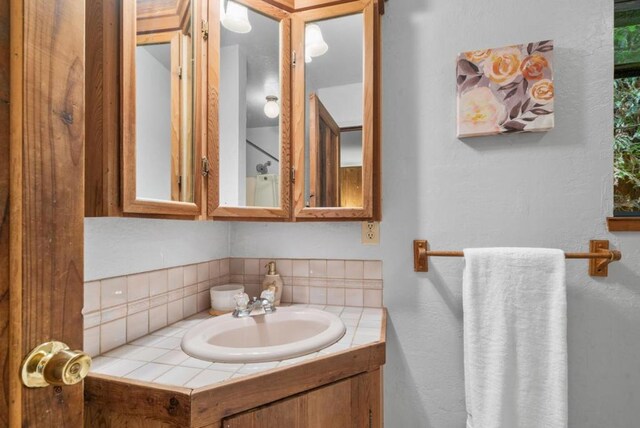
(599, 256)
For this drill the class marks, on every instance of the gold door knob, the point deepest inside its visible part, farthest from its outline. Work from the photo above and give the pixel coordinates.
(53, 363)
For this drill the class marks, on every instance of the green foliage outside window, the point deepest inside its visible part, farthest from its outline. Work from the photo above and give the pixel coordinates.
(627, 121)
(626, 42)
(627, 144)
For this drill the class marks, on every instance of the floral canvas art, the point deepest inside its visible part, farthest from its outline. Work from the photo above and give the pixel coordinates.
(506, 90)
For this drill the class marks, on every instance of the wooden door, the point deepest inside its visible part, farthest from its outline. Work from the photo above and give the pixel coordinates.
(41, 201)
(353, 402)
(324, 154)
(351, 186)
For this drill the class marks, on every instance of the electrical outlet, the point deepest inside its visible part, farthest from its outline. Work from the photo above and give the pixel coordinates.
(370, 232)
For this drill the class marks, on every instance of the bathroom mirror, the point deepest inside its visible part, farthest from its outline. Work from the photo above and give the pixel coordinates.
(251, 55)
(158, 107)
(334, 134)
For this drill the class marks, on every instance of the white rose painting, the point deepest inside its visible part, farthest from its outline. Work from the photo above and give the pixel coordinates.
(505, 90)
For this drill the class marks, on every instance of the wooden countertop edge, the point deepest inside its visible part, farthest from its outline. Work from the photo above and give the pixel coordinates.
(199, 407)
(153, 401)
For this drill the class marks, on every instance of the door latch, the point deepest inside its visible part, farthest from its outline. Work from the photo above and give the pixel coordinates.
(205, 166)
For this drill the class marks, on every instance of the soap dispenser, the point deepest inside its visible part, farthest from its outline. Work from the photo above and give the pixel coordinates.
(272, 279)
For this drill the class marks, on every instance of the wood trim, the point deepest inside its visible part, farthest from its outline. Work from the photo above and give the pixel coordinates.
(213, 103)
(302, 213)
(300, 5)
(214, 208)
(131, 204)
(334, 10)
(14, 247)
(102, 121)
(175, 19)
(156, 38)
(46, 199)
(314, 139)
(377, 112)
(623, 224)
(288, 5)
(176, 116)
(201, 111)
(5, 138)
(266, 8)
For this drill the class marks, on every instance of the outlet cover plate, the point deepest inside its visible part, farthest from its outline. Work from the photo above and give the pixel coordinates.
(370, 232)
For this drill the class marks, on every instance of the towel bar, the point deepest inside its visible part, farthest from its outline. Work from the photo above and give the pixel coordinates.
(599, 256)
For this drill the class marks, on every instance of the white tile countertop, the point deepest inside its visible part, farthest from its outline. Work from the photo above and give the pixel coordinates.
(157, 357)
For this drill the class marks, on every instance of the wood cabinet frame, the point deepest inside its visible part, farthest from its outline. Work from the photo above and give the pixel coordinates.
(370, 110)
(130, 203)
(214, 208)
(108, 122)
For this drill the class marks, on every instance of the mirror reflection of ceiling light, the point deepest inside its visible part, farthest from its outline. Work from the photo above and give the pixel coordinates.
(314, 42)
(235, 18)
(271, 108)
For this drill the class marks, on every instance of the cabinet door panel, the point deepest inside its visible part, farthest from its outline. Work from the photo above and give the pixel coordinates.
(330, 406)
(353, 402)
(285, 413)
(249, 118)
(334, 111)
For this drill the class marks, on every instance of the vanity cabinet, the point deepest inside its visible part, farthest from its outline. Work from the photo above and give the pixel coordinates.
(256, 110)
(341, 389)
(353, 402)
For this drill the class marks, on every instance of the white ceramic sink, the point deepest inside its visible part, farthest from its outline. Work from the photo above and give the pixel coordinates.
(287, 333)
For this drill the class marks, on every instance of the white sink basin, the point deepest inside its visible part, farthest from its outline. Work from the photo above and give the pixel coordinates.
(287, 333)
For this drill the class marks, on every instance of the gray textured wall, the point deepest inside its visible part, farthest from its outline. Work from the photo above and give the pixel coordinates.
(551, 190)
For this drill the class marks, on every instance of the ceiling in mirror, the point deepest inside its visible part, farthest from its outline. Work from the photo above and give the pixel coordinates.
(342, 62)
(263, 64)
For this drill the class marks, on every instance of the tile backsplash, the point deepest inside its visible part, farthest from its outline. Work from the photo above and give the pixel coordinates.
(317, 282)
(122, 309)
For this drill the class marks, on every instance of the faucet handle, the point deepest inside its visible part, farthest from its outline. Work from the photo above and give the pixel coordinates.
(242, 301)
(269, 295)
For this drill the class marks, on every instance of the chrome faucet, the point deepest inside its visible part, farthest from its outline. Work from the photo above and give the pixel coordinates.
(256, 306)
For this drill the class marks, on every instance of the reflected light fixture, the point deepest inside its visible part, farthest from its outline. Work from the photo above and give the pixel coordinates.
(235, 18)
(314, 42)
(271, 108)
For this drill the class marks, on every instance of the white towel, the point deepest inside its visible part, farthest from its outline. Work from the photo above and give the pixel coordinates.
(515, 338)
(251, 191)
(267, 191)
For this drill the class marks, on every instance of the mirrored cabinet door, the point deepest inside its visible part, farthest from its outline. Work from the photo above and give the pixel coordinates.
(160, 144)
(249, 77)
(334, 110)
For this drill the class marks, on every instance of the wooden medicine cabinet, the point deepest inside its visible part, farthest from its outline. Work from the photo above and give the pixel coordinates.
(160, 162)
(319, 158)
(256, 110)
